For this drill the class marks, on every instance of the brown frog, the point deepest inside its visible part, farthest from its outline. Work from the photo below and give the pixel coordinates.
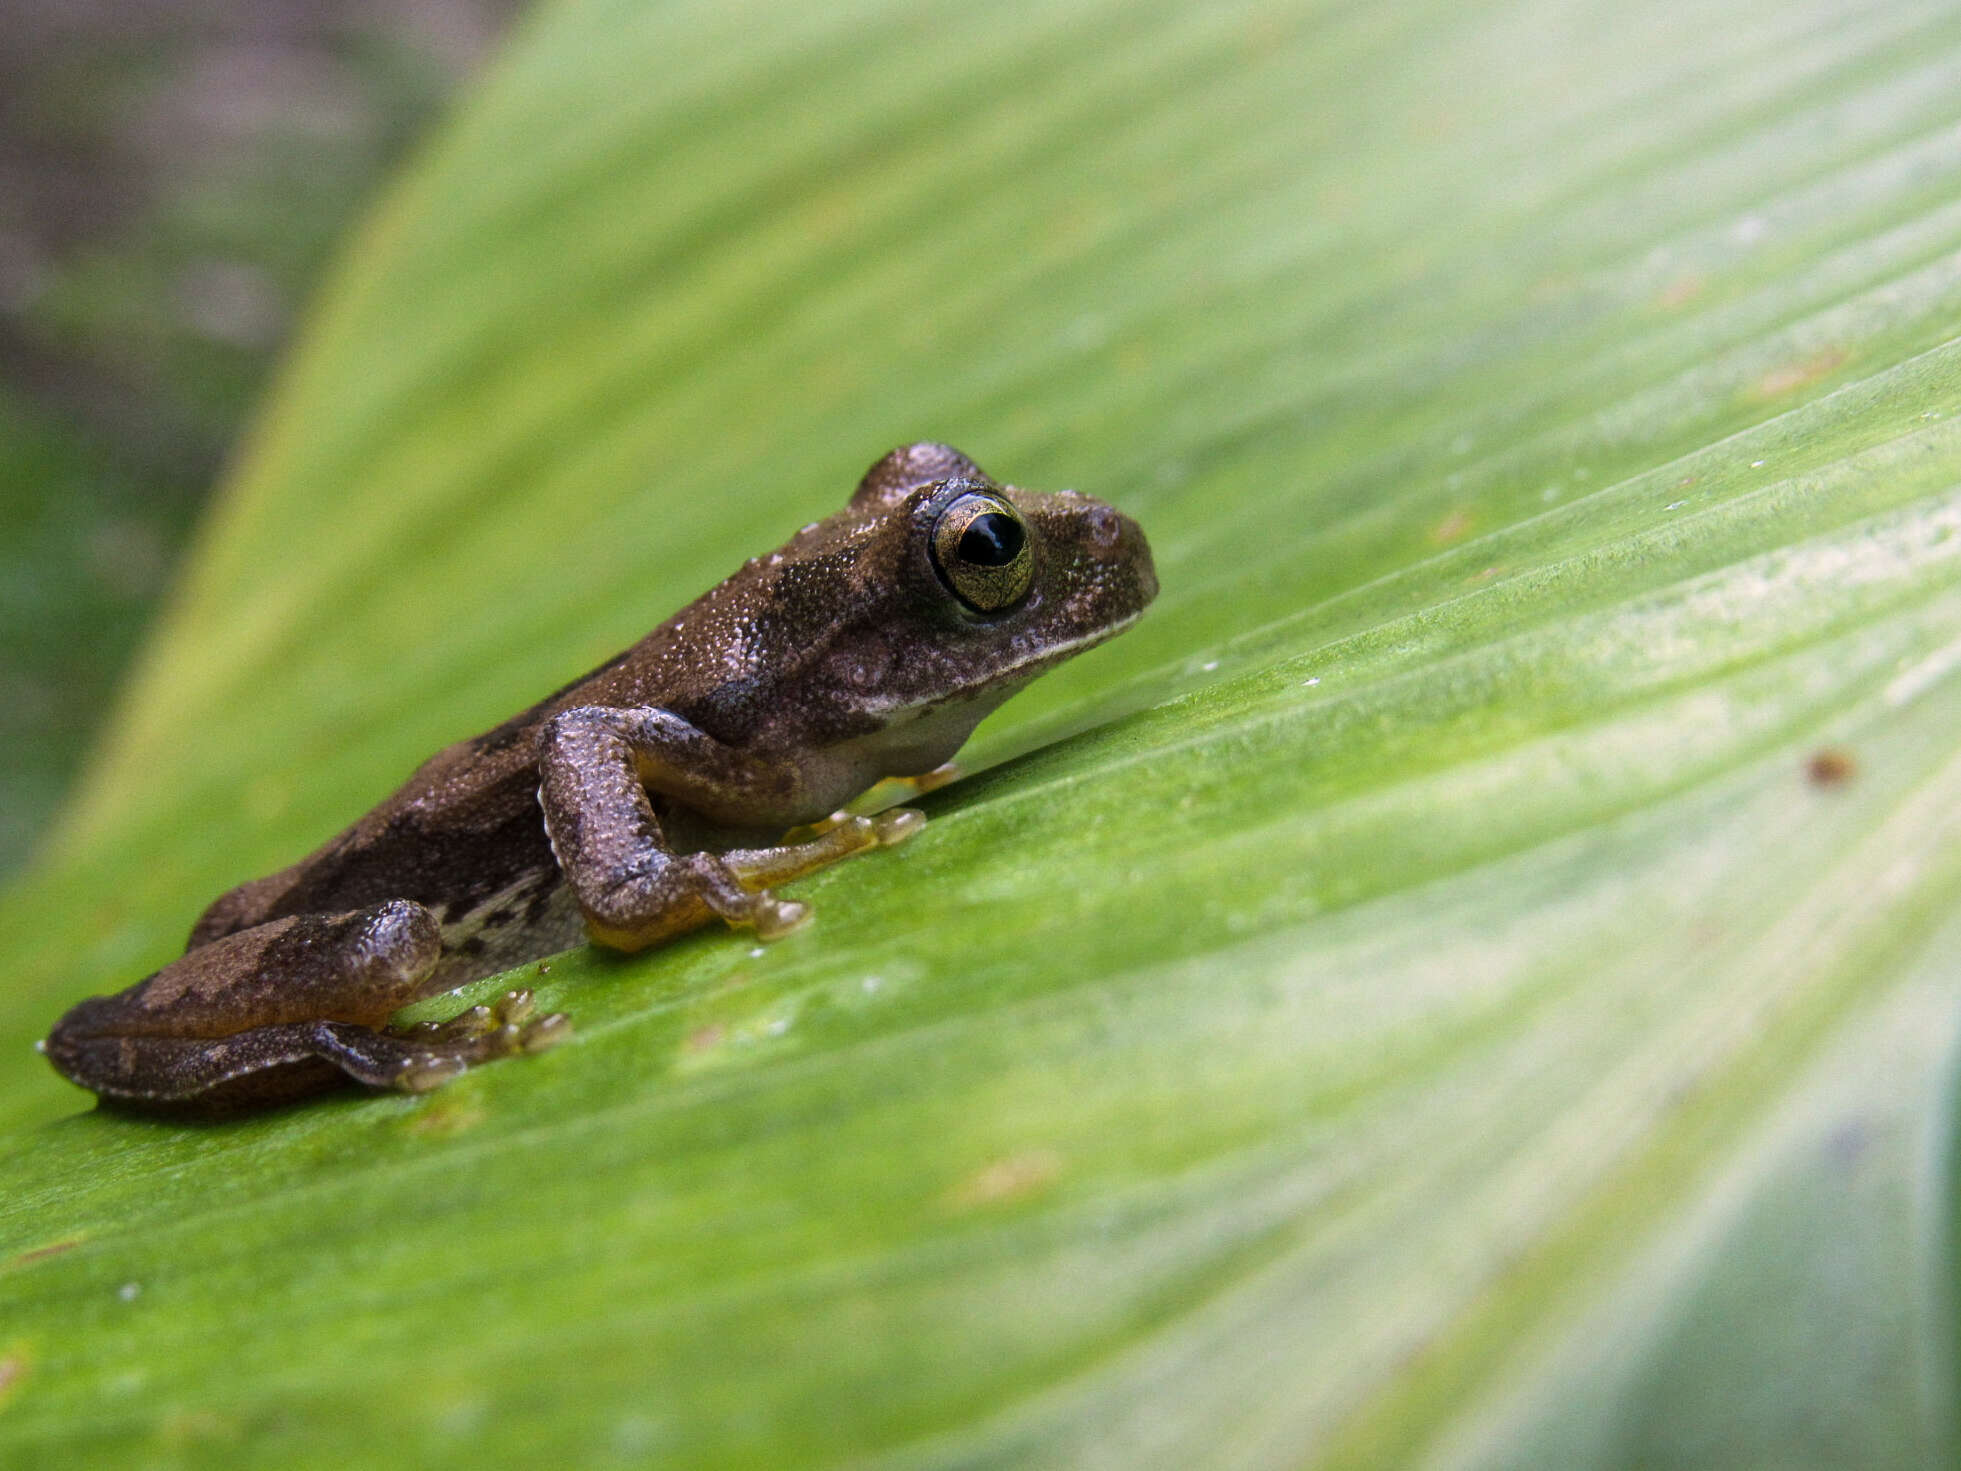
(646, 799)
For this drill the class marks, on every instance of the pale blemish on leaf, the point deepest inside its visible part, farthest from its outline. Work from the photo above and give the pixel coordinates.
(1789, 377)
(1008, 1180)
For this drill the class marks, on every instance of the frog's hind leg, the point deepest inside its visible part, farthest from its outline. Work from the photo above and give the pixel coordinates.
(277, 1011)
(256, 1068)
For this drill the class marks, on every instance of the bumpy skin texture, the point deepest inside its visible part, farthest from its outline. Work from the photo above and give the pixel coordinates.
(638, 802)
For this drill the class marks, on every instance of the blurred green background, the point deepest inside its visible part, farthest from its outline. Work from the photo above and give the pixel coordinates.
(173, 177)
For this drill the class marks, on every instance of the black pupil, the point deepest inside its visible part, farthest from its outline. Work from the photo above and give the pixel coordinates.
(991, 540)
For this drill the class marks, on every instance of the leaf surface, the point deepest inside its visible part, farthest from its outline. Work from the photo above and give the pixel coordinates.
(1470, 980)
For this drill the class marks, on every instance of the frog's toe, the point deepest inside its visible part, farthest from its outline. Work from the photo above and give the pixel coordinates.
(543, 1033)
(519, 1028)
(514, 1008)
(894, 825)
(775, 918)
(463, 1026)
(424, 1072)
(504, 1028)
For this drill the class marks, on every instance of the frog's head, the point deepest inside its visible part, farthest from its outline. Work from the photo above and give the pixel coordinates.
(965, 589)
(874, 641)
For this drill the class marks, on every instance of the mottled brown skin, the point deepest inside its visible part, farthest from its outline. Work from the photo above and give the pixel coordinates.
(639, 802)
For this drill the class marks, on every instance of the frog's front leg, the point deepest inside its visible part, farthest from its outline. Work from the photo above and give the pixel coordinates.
(596, 766)
(280, 1010)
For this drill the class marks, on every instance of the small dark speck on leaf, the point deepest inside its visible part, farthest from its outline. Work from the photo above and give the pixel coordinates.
(1830, 766)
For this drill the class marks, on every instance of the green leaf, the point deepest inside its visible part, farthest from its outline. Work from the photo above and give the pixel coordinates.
(1471, 979)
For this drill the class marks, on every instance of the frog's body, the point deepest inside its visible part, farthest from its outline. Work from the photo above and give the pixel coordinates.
(636, 803)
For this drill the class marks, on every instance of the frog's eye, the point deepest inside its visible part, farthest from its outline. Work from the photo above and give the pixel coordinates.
(980, 549)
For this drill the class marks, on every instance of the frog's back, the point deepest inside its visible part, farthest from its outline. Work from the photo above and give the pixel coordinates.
(463, 837)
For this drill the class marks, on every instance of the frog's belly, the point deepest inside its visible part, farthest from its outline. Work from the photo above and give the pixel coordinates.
(530, 918)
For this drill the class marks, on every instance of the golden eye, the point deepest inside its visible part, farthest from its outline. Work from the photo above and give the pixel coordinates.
(980, 549)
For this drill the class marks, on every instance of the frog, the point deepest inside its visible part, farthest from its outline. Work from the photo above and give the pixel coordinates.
(679, 784)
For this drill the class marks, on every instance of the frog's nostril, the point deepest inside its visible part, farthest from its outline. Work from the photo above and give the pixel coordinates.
(1105, 528)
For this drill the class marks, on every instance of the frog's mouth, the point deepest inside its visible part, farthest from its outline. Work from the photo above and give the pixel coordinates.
(1052, 654)
(1004, 680)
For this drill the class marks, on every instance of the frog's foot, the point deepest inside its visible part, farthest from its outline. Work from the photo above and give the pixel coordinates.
(441, 1050)
(842, 835)
(757, 870)
(743, 904)
(674, 894)
(889, 827)
(894, 825)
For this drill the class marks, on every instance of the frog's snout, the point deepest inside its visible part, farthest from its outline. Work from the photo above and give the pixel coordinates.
(1131, 549)
(1102, 569)
(1121, 556)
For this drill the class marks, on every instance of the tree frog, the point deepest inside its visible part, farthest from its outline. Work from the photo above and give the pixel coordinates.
(648, 798)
